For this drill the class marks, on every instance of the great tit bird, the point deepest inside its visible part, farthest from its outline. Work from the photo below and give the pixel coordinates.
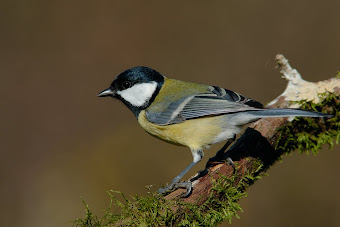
(189, 114)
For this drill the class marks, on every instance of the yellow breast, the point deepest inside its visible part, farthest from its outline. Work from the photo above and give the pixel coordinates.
(195, 133)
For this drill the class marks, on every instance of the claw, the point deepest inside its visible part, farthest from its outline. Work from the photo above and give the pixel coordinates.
(232, 164)
(173, 186)
(187, 185)
(165, 190)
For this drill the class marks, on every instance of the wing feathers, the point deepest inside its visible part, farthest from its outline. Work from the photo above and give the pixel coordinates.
(219, 101)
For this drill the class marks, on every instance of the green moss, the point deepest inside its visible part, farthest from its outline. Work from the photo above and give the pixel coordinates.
(90, 219)
(309, 134)
(222, 204)
(154, 210)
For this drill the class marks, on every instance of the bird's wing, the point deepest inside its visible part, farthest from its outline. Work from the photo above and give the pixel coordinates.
(218, 101)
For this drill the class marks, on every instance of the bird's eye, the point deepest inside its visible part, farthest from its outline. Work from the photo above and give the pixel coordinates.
(126, 84)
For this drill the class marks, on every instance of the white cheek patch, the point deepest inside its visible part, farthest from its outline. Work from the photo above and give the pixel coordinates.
(138, 94)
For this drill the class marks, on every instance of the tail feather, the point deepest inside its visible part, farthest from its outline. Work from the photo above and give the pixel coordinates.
(283, 112)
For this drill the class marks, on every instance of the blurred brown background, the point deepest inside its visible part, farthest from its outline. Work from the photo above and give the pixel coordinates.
(60, 143)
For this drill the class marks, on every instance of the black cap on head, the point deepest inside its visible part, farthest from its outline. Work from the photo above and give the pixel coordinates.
(136, 75)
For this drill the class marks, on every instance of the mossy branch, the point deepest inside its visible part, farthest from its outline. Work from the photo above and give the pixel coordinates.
(217, 189)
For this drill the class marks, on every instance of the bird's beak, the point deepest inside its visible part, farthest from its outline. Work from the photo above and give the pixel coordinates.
(107, 92)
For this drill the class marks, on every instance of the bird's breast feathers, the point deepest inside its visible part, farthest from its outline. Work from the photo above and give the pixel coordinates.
(195, 133)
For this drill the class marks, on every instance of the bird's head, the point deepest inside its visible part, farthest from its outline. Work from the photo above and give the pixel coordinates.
(136, 87)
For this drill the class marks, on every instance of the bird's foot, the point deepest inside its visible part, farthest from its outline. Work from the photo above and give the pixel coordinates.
(175, 185)
(230, 161)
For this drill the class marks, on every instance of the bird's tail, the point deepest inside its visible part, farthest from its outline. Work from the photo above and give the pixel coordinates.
(282, 112)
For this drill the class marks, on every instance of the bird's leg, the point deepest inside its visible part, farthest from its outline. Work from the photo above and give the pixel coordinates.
(197, 155)
(176, 184)
(221, 153)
